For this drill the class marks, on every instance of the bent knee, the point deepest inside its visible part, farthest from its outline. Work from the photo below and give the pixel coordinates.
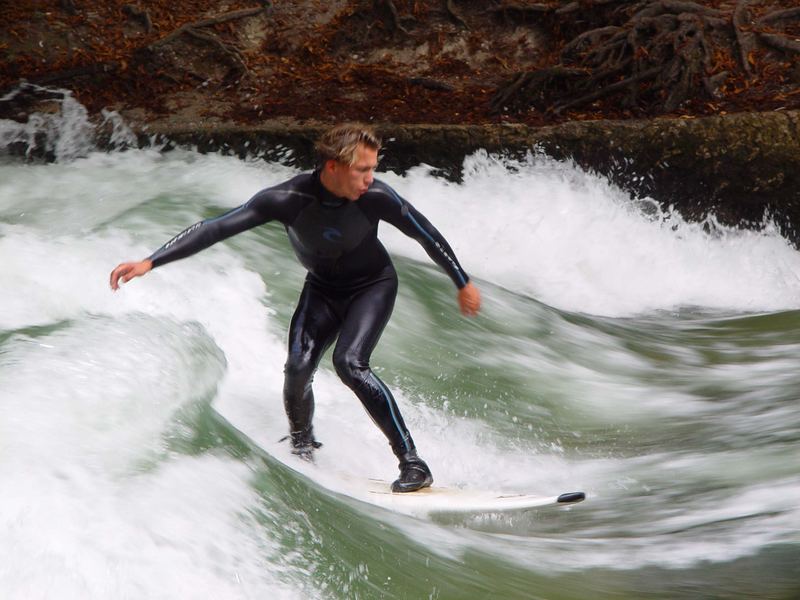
(298, 365)
(350, 369)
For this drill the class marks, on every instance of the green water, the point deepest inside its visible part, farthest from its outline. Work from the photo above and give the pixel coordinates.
(656, 370)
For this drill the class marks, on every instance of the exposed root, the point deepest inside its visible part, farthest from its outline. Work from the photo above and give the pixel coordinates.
(394, 15)
(540, 85)
(779, 16)
(451, 10)
(140, 15)
(780, 42)
(677, 7)
(744, 39)
(229, 53)
(522, 9)
(230, 16)
(578, 5)
(608, 90)
(431, 84)
(654, 55)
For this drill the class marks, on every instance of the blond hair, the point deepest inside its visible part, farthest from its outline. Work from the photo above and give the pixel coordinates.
(341, 142)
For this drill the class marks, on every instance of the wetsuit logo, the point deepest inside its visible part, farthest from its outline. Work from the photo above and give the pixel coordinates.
(332, 234)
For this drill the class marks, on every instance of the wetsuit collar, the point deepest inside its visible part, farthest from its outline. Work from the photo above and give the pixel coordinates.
(327, 198)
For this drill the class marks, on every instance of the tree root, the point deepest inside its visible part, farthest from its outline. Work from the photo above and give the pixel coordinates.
(431, 84)
(194, 30)
(656, 55)
(451, 10)
(590, 39)
(230, 52)
(608, 90)
(677, 7)
(522, 8)
(395, 16)
(582, 5)
(780, 42)
(140, 15)
(788, 14)
(744, 39)
(541, 83)
(230, 16)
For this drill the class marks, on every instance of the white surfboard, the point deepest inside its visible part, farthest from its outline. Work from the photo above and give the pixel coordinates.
(448, 500)
(434, 500)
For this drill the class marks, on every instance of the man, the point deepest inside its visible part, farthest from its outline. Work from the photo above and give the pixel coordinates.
(331, 216)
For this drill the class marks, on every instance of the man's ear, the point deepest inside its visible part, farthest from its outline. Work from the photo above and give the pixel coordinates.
(329, 166)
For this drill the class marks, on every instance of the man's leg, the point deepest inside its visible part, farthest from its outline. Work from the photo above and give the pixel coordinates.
(363, 323)
(313, 328)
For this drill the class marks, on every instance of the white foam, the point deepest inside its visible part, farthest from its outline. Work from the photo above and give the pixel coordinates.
(546, 229)
(92, 507)
(181, 531)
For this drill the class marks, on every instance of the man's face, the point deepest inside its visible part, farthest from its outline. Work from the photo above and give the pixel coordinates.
(352, 181)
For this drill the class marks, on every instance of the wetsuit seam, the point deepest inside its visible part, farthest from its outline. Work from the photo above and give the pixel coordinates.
(387, 399)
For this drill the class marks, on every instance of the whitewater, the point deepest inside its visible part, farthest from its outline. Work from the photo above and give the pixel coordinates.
(651, 362)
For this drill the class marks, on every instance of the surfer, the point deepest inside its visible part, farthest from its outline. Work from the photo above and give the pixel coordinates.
(331, 216)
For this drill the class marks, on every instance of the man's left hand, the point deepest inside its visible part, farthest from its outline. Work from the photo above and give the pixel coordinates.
(469, 300)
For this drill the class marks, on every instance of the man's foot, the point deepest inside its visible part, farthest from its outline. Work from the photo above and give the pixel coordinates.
(304, 444)
(414, 474)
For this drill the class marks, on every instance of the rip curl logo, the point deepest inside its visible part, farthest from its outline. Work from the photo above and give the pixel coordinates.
(332, 234)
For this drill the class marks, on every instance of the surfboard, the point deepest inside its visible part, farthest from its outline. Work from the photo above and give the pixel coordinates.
(449, 500)
(431, 501)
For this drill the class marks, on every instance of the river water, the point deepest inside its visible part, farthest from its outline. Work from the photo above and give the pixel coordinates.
(652, 363)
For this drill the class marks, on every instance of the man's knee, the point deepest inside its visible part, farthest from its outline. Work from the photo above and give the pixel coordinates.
(298, 366)
(350, 368)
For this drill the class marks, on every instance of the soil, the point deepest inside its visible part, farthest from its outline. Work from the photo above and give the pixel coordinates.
(400, 61)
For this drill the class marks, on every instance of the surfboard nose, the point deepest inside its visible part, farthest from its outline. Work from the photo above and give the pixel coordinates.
(570, 497)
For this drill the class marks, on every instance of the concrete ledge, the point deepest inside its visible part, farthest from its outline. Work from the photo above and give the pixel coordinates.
(737, 166)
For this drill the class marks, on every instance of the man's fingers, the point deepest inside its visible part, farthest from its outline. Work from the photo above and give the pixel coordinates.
(470, 309)
(113, 279)
(129, 270)
(120, 272)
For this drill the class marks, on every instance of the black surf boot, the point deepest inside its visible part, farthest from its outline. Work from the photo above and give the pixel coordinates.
(304, 444)
(414, 473)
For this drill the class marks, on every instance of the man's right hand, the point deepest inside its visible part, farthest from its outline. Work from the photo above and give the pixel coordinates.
(129, 270)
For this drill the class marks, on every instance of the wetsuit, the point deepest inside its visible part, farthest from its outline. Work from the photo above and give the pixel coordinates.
(349, 291)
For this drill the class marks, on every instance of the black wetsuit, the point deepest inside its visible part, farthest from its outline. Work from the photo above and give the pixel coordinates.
(350, 287)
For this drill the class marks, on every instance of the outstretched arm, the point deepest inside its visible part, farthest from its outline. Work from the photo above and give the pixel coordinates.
(260, 209)
(210, 231)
